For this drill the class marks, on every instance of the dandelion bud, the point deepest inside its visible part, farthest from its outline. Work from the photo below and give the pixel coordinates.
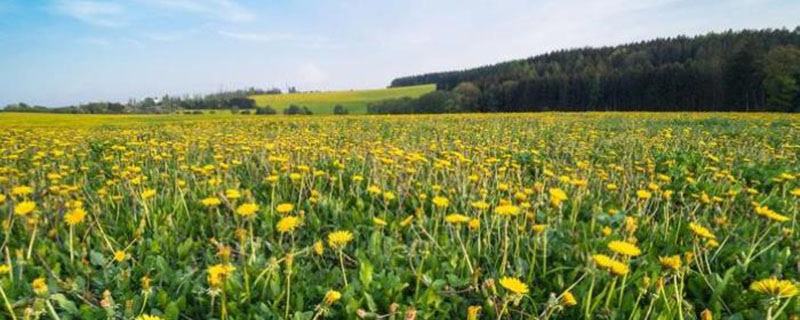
(411, 314)
(706, 315)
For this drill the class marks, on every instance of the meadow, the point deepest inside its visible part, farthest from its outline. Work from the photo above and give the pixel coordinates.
(355, 101)
(501, 216)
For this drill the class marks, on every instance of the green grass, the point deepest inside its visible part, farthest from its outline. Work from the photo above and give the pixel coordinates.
(355, 100)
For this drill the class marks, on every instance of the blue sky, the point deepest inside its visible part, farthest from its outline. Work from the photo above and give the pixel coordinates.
(64, 52)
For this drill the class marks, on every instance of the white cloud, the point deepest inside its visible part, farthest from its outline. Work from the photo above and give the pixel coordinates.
(104, 14)
(226, 10)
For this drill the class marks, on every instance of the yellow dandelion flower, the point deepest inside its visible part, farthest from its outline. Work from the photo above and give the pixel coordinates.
(4, 269)
(671, 262)
(339, 239)
(644, 194)
(75, 217)
(284, 208)
(247, 210)
(624, 248)
(602, 260)
(557, 196)
(149, 193)
(39, 285)
(232, 194)
(211, 202)
(474, 224)
(701, 231)
(506, 210)
(217, 274)
(441, 202)
(331, 297)
(148, 317)
(21, 191)
(619, 268)
(480, 205)
(774, 287)
(319, 249)
(288, 224)
(514, 285)
(567, 299)
(120, 255)
(456, 218)
(24, 208)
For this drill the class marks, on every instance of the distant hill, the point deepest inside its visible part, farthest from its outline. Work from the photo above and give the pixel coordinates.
(750, 70)
(355, 101)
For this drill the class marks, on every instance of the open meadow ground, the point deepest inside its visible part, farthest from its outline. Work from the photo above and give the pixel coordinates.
(354, 100)
(523, 216)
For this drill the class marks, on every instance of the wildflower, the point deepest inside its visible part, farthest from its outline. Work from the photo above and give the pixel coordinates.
(624, 248)
(284, 208)
(456, 218)
(774, 287)
(474, 224)
(473, 312)
(21, 191)
(2, 198)
(441, 202)
(39, 286)
(506, 210)
(379, 222)
(557, 196)
(795, 192)
(606, 231)
(619, 268)
(331, 297)
(374, 190)
(319, 249)
(24, 208)
(217, 274)
(4, 269)
(288, 224)
(670, 262)
(706, 315)
(148, 317)
(149, 193)
(480, 205)
(701, 231)
(514, 285)
(211, 202)
(388, 196)
(247, 210)
(539, 228)
(602, 260)
(770, 214)
(120, 255)
(339, 239)
(75, 216)
(643, 194)
(567, 299)
(232, 194)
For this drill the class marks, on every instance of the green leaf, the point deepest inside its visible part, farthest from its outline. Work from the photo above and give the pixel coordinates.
(65, 303)
(97, 258)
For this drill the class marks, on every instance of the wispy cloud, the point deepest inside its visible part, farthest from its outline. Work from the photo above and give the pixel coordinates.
(104, 14)
(226, 10)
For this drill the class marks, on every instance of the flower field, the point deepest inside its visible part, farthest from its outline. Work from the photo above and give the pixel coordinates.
(511, 216)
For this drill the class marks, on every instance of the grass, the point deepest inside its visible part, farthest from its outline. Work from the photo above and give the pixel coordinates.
(476, 216)
(354, 100)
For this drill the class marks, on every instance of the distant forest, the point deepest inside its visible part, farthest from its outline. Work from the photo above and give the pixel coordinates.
(750, 70)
